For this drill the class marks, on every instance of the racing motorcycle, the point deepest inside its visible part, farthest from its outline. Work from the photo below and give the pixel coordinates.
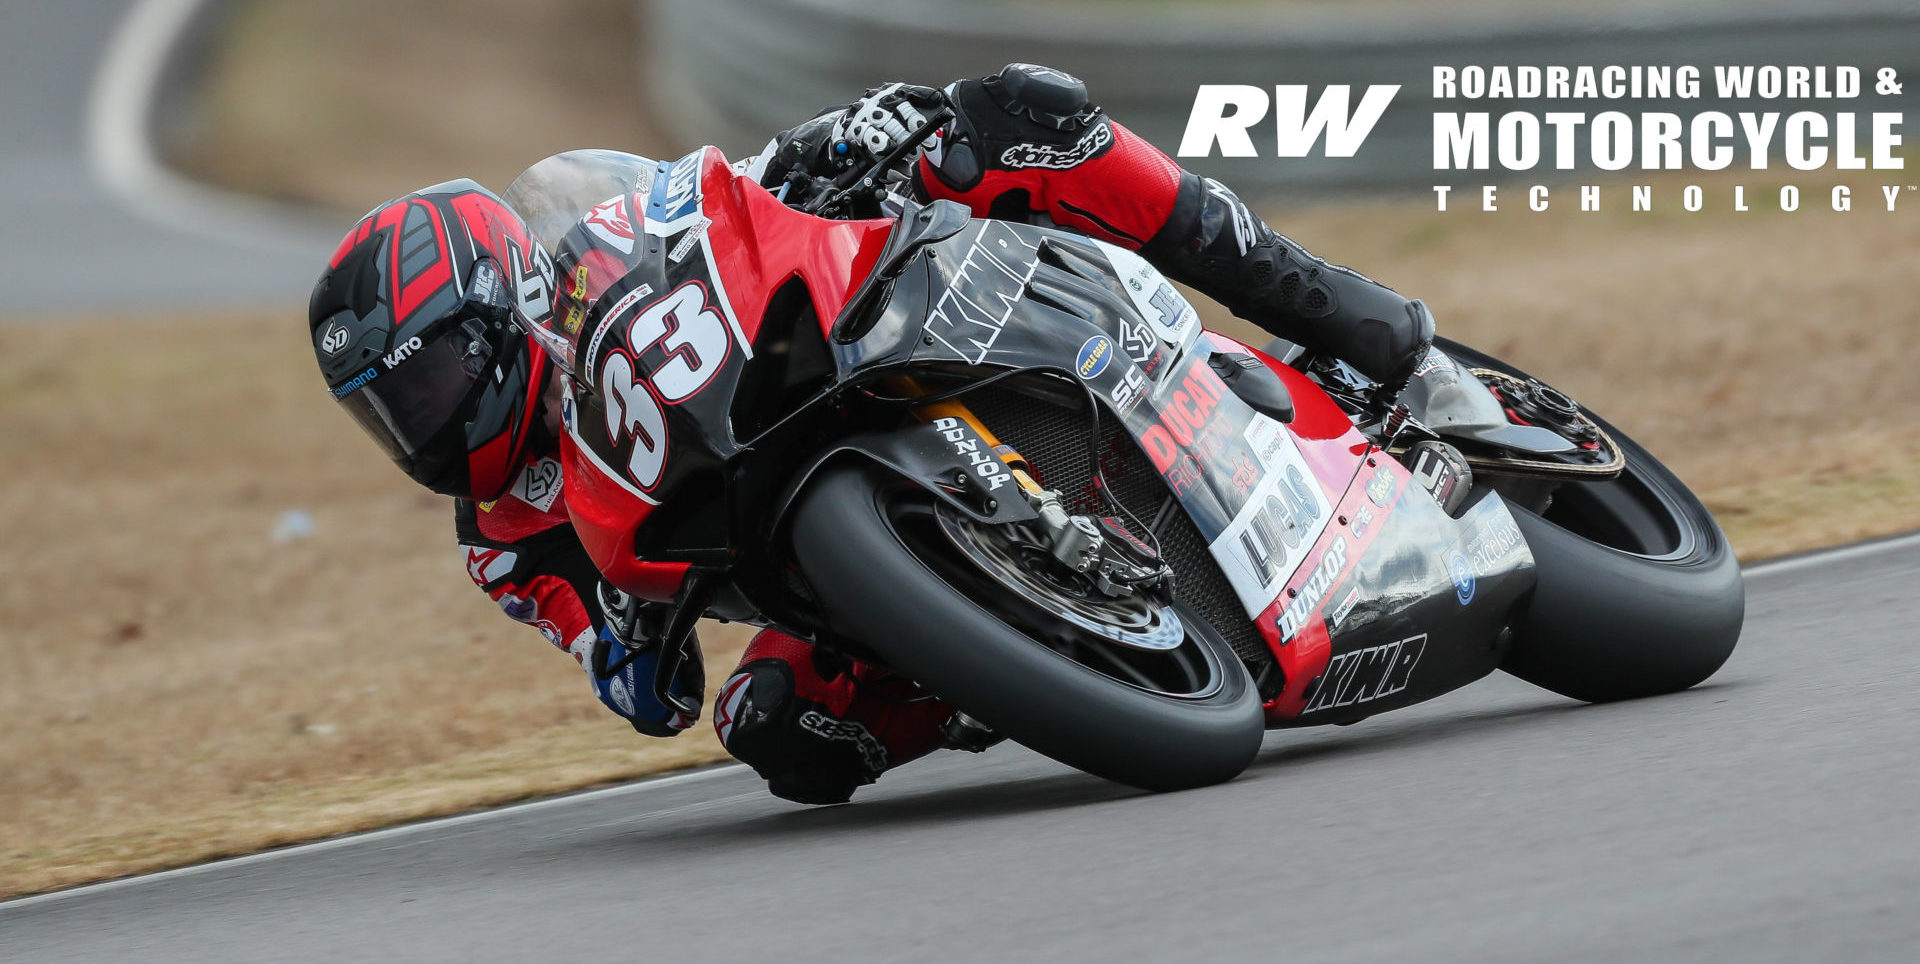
(1008, 463)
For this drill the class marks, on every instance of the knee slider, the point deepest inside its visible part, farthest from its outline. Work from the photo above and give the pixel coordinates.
(792, 742)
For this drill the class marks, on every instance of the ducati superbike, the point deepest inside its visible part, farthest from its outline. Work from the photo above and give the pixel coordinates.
(1009, 463)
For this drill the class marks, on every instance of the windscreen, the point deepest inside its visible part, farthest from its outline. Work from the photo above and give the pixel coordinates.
(553, 196)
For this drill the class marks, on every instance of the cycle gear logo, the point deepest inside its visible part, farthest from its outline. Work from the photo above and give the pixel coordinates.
(1093, 357)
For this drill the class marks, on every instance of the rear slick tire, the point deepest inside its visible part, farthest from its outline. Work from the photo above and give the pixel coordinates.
(874, 589)
(1639, 592)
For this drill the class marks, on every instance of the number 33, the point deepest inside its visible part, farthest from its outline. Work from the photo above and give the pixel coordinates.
(696, 340)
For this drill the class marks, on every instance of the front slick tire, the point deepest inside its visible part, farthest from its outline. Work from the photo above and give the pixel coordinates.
(876, 590)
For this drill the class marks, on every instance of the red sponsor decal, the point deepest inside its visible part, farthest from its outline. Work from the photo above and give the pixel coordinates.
(1189, 409)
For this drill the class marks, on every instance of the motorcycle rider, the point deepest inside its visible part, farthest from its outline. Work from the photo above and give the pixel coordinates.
(419, 326)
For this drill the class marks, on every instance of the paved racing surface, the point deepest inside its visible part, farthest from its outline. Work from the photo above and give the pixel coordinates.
(69, 245)
(1767, 815)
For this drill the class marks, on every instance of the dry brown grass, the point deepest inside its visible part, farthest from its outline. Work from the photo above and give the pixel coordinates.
(178, 686)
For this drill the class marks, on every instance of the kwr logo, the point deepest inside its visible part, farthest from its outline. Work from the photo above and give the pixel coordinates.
(1224, 113)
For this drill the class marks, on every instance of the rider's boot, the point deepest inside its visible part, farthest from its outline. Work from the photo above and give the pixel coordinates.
(1215, 243)
(817, 727)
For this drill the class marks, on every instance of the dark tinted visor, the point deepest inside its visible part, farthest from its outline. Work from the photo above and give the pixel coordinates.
(405, 407)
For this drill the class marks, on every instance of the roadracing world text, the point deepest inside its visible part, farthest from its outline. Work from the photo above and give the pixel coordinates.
(1835, 118)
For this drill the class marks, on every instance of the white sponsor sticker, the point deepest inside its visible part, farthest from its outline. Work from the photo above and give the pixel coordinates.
(1172, 317)
(1274, 532)
(539, 485)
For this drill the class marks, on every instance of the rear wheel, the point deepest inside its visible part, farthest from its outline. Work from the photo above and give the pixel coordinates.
(1639, 592)
(1129, 703)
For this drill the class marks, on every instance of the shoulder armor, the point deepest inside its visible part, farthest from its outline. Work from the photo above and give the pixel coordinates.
(1051, 97)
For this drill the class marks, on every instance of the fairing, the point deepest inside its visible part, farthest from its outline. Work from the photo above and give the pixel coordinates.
(1280, 506)
(663, 290)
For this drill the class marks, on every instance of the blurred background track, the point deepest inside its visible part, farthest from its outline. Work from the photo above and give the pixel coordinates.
(69, 245)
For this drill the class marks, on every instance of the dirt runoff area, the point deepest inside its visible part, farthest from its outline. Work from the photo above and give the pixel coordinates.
(229, 624)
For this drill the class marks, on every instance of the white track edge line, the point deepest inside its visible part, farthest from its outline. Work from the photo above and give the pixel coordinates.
(1827, 557)
(384, 833)
(121, 154)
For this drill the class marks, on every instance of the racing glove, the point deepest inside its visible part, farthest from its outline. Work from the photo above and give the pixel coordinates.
(628, 664)
(881, 120)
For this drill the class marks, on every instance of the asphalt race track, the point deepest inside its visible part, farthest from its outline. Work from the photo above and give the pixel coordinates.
(70, 244)
(1765, 816)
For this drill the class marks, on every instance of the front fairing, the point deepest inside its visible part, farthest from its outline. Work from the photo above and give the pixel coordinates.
(663, 287)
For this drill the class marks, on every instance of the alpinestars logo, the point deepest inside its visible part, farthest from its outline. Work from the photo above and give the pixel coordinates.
(1318, 585)
(1056, 159)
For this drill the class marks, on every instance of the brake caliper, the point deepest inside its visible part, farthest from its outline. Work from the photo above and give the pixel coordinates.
(1117, 562)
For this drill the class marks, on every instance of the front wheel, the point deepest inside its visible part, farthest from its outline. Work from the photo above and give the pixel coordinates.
(1639, 592)
(888, 575)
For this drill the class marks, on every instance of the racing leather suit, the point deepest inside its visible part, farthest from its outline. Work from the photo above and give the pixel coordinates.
(1026, 144)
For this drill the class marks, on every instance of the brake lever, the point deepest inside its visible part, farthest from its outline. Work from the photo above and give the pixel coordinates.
(676, 641)
(853, 180)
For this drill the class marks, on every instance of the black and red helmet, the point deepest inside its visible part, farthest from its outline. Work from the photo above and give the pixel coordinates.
(419, 326)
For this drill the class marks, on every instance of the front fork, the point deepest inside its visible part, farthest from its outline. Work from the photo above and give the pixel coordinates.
(952, 408)
(1079, 543)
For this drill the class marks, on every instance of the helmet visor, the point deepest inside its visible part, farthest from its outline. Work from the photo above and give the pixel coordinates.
(406, 407)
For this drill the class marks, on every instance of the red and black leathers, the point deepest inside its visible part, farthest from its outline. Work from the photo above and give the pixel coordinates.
(1026, 144)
